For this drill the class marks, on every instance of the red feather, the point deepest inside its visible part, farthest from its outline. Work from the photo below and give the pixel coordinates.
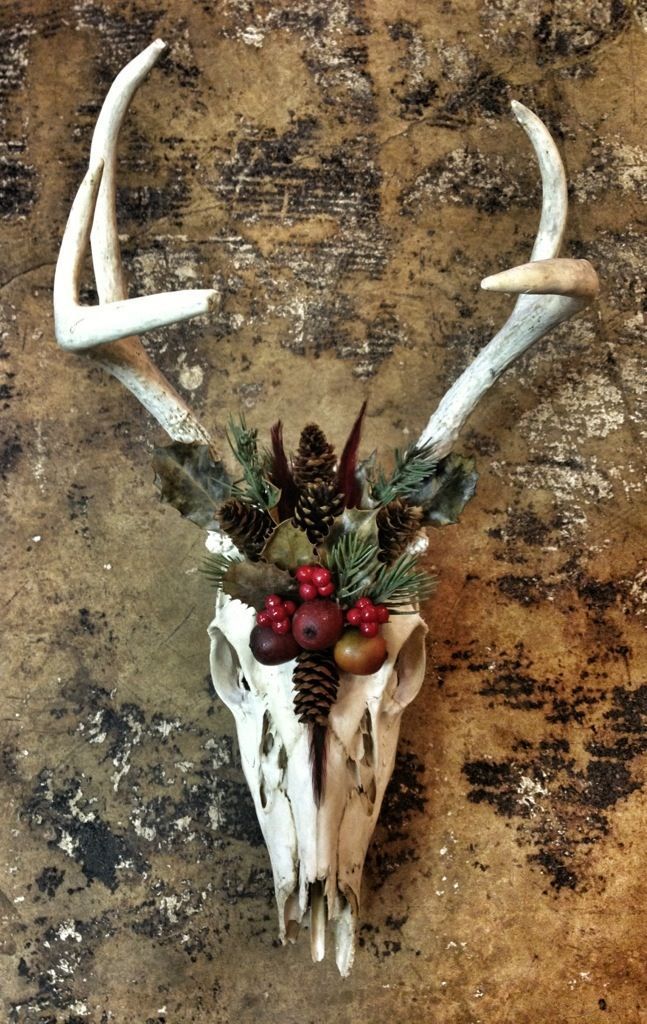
(347, 483)
(282, 474)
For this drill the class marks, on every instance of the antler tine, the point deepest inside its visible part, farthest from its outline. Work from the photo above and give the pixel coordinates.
(550, 291)
(107, 331)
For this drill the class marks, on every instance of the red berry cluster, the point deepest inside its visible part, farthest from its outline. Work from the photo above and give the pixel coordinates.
(314, 581)
(368, 616)
(277, 614)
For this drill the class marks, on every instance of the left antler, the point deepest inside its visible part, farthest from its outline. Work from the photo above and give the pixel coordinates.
(550, 291)
(107, 331)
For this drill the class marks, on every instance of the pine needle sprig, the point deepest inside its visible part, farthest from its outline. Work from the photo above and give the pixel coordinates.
(355, 562)
(402, 583)
(254, 487)
(412, 465)
(215, 567)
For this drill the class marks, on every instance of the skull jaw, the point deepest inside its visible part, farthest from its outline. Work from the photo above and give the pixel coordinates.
(317, 853)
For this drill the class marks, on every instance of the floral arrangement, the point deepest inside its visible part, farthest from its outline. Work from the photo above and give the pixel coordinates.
(323, 547)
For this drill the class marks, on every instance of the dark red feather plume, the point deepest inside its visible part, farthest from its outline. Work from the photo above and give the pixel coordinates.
(347, 483)
(282, 474)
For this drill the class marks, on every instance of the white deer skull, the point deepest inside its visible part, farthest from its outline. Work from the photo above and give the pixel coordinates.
(317, 852)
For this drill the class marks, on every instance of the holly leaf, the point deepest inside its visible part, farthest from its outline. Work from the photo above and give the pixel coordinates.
(251, 582)
(444, 495)
(288, 547)
(189, 478)
(359, 521)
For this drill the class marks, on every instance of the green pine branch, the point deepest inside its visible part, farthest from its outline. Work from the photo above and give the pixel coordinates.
(402, 583)
(412, 465)
(354, 561)
(254, 487)
(215, 567)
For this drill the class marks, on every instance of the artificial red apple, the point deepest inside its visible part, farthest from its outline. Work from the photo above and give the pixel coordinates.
(360, 655)
(317, 624)
(272, 648)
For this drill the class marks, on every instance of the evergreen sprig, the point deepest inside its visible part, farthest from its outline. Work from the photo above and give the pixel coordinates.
(354, 561)
(215, 567)
(412, 465)
(402, 583)
(254, 487)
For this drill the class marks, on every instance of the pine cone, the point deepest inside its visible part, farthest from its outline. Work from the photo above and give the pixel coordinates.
(315, 458)
(397, 524)
(315, 680)
(248, 526)
(317, 506)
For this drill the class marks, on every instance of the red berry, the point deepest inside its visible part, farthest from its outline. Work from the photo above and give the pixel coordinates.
(307, 592)
(277, 613)
(321, 577)
(304, 573)
(289, 607)
(272, 600)
(382, 613)
(368, 628)
(327, 590)
(263, 618)
(369, 614)
(354, 616)
(281, 627)
(363, 602)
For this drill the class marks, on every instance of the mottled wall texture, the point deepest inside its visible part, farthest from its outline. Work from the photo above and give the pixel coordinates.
(344, 173)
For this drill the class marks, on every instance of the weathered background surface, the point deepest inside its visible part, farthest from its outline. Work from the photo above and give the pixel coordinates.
(345, 172)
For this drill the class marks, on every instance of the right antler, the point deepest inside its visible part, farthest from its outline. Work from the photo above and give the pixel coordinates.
(550, 291)
(107, 331)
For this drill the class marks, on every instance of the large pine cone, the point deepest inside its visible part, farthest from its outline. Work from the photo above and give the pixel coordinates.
(315, 458)
(317, 507)
(397, 524)
(315, 680)
(248, 526)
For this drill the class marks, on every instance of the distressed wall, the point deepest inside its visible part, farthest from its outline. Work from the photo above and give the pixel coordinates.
(344, 173)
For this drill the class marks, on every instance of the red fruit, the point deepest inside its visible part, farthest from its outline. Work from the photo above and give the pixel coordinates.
(382, 613)
(272, 648)
(272, 600)
(304, 573)
(263, 619)
(307, 592)
(368, 613)
(369, 628)
(281, 627)
(354, 616)
(360, 655)
(321, 577)
(326, 590)
(276, 613)
(289, 607)
(317, 624)
(363, 602)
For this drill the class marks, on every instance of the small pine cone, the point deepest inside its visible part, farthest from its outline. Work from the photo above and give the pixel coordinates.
(315, 458)
(248, 526)
(317, 507)
(397, 525)
(315, 680)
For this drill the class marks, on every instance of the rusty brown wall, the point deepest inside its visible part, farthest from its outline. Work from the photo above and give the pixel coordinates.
(345, 173)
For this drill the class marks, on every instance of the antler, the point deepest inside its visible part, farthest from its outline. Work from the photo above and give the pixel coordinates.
(107, 332)
(550, 290)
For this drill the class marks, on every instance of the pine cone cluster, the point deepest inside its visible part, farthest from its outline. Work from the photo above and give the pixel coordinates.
(315, 680)
(247, 525)
(397, 524)
(315, 458)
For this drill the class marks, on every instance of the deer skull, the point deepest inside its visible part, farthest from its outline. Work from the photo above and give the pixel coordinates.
(317, 852)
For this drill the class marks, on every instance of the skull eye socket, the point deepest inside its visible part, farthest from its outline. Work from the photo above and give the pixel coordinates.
(410, 668)
(227, 675)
